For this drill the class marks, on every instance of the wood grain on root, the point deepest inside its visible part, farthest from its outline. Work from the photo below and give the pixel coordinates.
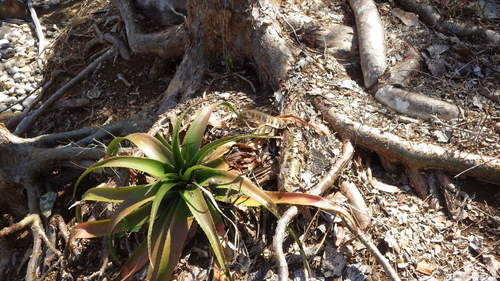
(416, 104)
(416, 155)
(370, 32)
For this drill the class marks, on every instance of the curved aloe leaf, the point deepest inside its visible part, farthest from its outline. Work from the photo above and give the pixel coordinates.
(150, 146)
(135, 262)
(218, 152)
(125, 209)
(164, 141)
(91, 229)
(289, 198)
(212, 146)
(198, 206)
(194, 135)
(101, 228)
(244, 185)
(176, 146)
(162, 191)
(153, 167)
(169, 241)
(114, 194)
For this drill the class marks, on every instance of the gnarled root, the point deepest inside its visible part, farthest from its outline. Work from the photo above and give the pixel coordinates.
(432, 18)
(414, 156)
(168, 43)
(244, 32)
(23, 162)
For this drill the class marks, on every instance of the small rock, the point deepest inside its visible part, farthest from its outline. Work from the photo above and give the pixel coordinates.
(4, 43)
(7, 53)
(18, 76)
(20, 91)
(3, 98)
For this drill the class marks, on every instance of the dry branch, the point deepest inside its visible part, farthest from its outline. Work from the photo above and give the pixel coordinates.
(415, 155)
(38, 28)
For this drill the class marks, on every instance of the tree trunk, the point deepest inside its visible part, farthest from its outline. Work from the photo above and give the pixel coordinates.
(233, 32)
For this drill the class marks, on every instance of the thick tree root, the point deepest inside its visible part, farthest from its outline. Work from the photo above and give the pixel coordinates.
(187, 79)
(413, 155)
(278, 239)
(411, 103)
(25, 161)
(432, 18)
(244, 32)
(415, 104)
(357, 204)
(370, 31)
(168, 43)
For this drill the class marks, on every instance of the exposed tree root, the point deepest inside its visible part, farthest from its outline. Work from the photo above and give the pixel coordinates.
(168, 43)
(357, 204)
(331, 176)
(234, 33)
(187, 79)
(415, 104)
(414, 156)
(370, 32)
(278, 239)
(412, 104)
(30, 118)
(375, 251)
(432, 18)
(38, 28)
(24, 161)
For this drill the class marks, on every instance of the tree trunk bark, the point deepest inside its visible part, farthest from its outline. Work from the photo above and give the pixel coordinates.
(234, 32)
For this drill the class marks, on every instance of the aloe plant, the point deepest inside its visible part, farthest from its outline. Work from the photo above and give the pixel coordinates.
(184, 172)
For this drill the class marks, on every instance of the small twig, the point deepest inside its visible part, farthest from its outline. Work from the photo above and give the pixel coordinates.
(278, 239)
(473, 167)
(31, 118)
(378, 255)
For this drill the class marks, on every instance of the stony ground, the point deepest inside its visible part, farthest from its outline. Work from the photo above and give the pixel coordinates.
(419, 237)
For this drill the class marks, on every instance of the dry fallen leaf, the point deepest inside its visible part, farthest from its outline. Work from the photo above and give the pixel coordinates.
(425, 267)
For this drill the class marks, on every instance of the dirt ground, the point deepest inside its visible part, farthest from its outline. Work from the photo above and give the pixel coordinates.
(422, 239)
